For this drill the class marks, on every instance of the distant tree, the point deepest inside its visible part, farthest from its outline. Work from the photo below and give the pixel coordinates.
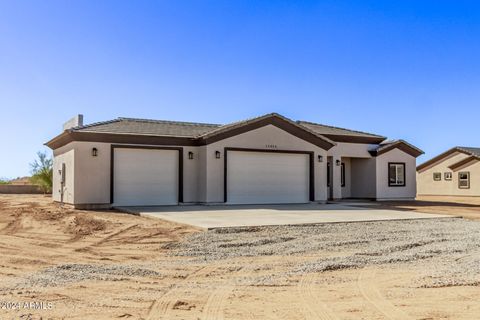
(42, 172)
(4, 181)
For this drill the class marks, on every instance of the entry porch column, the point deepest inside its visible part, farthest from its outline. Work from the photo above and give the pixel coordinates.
(336, 183)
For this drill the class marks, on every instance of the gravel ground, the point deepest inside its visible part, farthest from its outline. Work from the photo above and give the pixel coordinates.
(70, 273)
(451, 246)
(449, 250)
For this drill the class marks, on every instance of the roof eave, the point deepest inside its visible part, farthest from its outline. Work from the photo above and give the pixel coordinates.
(355, 139)
(59, 141)
(120, 138)
(440, 157)
(401, 145)
(464, 162)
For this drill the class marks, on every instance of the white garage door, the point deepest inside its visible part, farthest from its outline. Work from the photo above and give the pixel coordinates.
(267, 177)
(145, 177)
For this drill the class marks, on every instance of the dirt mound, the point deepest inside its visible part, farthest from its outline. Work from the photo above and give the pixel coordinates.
(83, 225)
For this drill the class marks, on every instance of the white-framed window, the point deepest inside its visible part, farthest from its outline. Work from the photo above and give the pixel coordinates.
(464, 180)
(396, 174)
(437, 176)
(447, 176)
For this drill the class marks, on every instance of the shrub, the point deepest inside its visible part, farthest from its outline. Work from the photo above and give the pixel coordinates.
(42, 172)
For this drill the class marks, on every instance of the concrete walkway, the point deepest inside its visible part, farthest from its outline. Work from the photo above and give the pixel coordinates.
(263, 215)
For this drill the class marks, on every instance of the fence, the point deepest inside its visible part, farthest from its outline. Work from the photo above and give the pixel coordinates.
(19, 189)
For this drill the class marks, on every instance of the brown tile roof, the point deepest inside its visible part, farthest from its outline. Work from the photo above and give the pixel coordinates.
(324, 129)
(192, 129)
(466, 150)
(243, 123)
(465, 162)
(148, 127)
(472, 151)
(342, 134)
(201, 133)
(397, 144)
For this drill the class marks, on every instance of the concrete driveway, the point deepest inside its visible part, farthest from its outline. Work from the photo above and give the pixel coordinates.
(262, 215)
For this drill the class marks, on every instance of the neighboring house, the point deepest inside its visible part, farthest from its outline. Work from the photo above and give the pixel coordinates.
(269, 159)
(455, 172)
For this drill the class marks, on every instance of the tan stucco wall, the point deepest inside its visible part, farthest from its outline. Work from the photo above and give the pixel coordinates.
(363, 178)
(384, 192)
(347, 189)
(259, 139)
(65, 154)
(191, 170)
(94, 185)
(427, 186)
(354, 150)
(202, 174)
(340, 152)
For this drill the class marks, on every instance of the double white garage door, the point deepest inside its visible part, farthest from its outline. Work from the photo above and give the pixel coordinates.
(147, 177)
(267, 177)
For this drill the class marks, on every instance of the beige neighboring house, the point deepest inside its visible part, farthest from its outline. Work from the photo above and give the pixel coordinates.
(455, 172)
(265, 160)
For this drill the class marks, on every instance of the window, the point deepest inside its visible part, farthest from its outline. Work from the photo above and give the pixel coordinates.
(437, 176)
(464, 180)
(396, 174)
(328, 174)
(447, 176)
(342, 174)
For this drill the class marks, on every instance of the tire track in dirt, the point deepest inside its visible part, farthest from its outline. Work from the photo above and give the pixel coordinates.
(12, 226)
(215, 305)
(474, 256)
(249, 314)
(312, 305)
(162, 308)
(109, 237)
(370, 292)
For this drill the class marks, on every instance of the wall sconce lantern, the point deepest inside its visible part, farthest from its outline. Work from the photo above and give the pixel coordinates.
(217, 154)
(337, 162)
(94, 152)
(190, 155)
(320, 158)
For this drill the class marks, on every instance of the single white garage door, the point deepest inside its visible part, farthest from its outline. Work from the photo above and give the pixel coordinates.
(267, 177)
(145, 177)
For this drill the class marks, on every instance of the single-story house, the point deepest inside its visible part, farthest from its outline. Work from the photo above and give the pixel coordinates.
(265, 160)
(456, 172)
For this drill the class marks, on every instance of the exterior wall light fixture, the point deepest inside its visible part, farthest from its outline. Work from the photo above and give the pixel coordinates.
(217, 154)
(320, 158)
(337, 162)
(190, 155)
(94, 152)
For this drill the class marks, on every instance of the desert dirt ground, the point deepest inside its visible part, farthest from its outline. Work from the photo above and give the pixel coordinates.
(108, 265)
(467, 207)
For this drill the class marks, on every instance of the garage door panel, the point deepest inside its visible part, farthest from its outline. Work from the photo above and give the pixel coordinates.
(145, 176)
(267, 177)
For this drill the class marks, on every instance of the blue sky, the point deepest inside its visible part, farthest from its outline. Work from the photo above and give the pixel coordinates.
(404, 69)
